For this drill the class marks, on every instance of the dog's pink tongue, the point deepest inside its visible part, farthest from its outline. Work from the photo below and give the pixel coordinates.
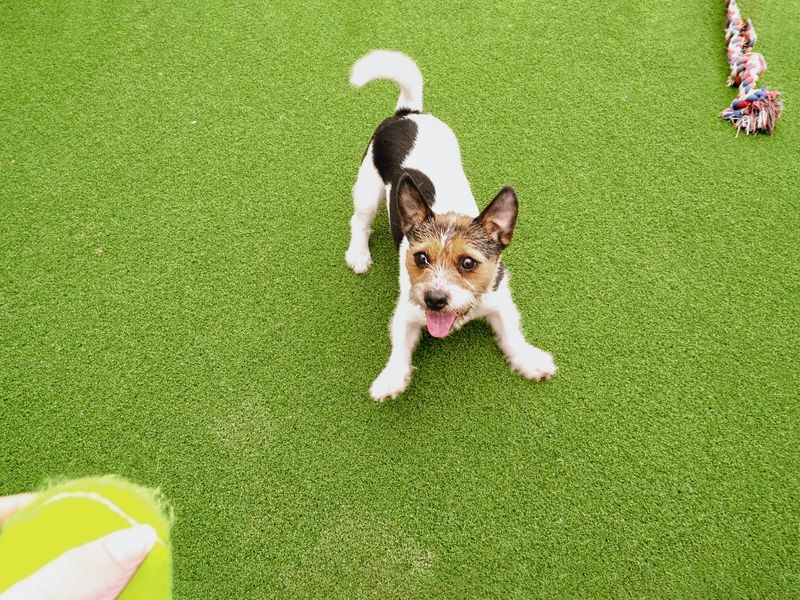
(439, 323)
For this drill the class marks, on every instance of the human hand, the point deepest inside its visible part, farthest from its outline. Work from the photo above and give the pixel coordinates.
(99, 570)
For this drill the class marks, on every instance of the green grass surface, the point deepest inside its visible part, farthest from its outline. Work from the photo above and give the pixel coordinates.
(175, 306)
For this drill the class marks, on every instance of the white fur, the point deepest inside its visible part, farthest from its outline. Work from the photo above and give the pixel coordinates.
(367, 193)
(395, 66)
(459, 298)
(405, 332)
(436, 153)
(499, 310)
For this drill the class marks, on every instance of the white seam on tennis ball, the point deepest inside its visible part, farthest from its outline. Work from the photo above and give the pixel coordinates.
(104, 501)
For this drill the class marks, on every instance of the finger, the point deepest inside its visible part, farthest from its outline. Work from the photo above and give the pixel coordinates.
(99, 570)
(11, 504)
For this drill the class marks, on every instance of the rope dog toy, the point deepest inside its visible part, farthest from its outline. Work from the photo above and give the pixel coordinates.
(755, 110)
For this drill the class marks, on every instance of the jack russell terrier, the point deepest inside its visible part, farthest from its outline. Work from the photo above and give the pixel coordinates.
(450, 266)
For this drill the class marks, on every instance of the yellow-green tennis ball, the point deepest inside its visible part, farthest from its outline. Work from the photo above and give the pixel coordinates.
(74, 513)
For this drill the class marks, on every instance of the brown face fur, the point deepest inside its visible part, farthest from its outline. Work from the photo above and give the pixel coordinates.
(446, 240)
(439, 245)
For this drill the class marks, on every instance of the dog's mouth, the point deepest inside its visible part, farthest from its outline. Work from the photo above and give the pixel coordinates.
(439, 323)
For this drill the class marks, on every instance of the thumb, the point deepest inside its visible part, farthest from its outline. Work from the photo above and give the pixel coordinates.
(99, 570)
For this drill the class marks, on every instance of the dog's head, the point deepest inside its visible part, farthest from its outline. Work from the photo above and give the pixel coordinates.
(452, 259)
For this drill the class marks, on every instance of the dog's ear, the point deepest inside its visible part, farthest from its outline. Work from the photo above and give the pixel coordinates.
(499, 218)
(412, 207)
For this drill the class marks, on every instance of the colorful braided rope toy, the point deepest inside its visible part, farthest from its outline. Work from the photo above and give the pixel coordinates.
(755, 109)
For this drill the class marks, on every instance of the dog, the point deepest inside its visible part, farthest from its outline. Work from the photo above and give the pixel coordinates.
(451, 270)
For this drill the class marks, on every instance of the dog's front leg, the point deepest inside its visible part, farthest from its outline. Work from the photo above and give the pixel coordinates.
(405, 333)
(527, 359)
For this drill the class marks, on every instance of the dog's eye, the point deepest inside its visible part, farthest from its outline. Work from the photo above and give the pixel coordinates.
(468, 263)
(421, 259)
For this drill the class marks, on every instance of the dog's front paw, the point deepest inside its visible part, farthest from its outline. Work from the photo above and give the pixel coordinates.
(390, 383)
(360, 262)
(533, 364)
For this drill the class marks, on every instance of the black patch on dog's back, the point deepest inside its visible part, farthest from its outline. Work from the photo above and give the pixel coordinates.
(391, 144)
(426, 190)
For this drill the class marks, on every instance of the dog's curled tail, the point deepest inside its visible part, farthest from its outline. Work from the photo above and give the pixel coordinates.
(395, 66)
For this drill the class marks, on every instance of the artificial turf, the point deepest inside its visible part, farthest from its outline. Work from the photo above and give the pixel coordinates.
(175, 307)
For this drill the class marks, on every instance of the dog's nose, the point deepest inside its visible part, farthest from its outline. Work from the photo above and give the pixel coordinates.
(435, 300)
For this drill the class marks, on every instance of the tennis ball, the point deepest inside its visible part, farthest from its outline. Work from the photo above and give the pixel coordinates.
(71, 514)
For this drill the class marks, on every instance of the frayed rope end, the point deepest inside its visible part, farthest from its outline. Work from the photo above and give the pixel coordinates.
(757, 113)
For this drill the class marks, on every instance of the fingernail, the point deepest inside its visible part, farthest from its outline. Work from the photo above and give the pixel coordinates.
(130, 546)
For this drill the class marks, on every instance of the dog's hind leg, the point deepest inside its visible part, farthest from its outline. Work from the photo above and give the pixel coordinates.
(368, 192)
